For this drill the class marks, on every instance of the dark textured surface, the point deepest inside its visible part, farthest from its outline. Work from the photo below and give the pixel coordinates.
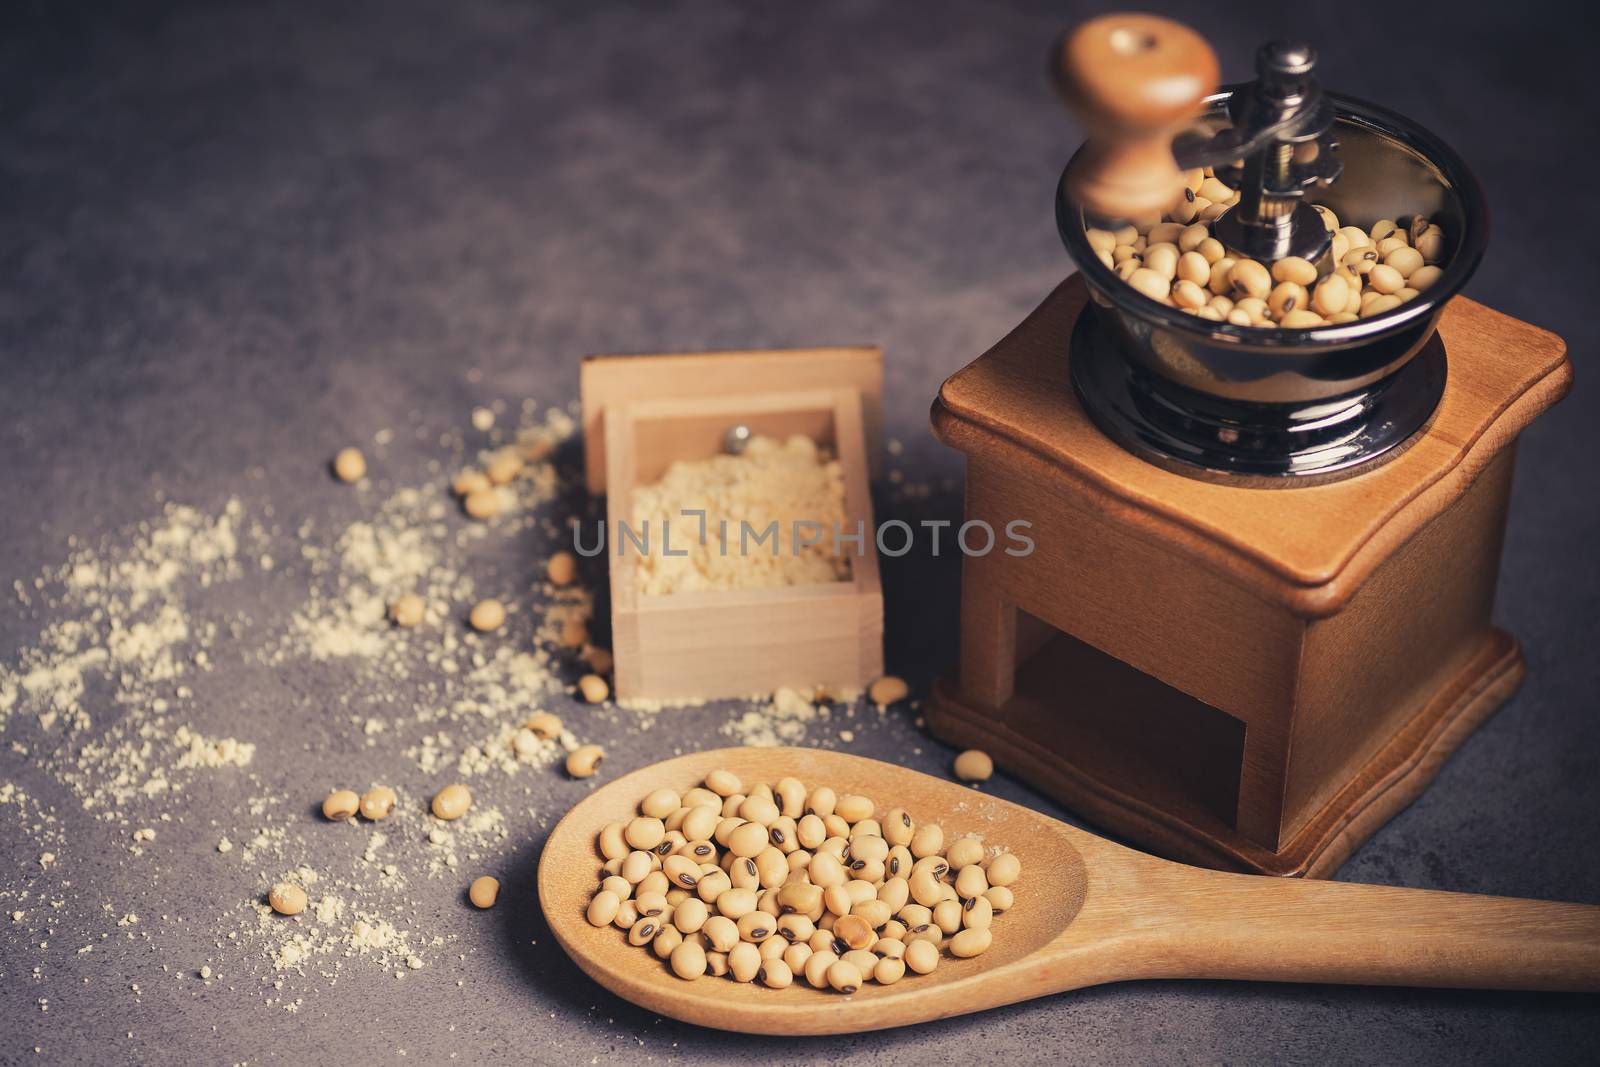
(239, 236)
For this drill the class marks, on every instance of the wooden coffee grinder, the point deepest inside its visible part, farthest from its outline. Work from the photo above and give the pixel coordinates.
(1257, 617)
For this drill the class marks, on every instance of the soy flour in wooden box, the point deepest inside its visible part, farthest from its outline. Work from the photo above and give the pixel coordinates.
(740, 537)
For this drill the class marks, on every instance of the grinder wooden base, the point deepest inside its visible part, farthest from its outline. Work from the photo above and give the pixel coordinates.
(1245, 678)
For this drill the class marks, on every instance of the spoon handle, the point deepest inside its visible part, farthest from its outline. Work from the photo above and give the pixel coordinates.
(1239, 926)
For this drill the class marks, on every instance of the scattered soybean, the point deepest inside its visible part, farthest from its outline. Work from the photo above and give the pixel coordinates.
(974, 765)
(452, 802)
(378, 802)
(350, 465)
(484, 890)
(487, 615)
(341, 804)
(287, 898)
(584, 761)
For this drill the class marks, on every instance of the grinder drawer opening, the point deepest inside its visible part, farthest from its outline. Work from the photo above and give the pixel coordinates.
(1123, 728)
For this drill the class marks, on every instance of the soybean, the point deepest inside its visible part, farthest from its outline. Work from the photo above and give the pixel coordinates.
(928, 840)
(1193, 267)
(970, 943)
(1385, 279)
(1406, 260)
(1151, 284)
(744, 960)
(1300, 318)
(921, 957)
(817, 966)
(667, 939)
(971, 882)
(612, 844)
(584, 761)
(561, 569)
(452, 802)
(287, 899)
(644, 833)
(736, 903)
(756, 926)
(1286, 297)
(775, 974)
(968, 850)
(1004, 869)
(888, 690)
(691, 915)
(1215, 191)
(844, 977)
(1294, 269)
(688, 960)
(853, 808)
(1250, 278)
(378, 802)
(407, 610)
(1423, 277)
(593, 688)
(350, 465)
(484, 891)
(660, 804)
(1187, 294)
(721, 932)
(503, 466)
(340, 805)
(482, 504)
(487, 615)
(1163, 260)
(544, 725)
(635, 865)
(1384, 302)
(1331, 295)
(1391, 244)
(1430, 244)
(724, 783)
(469, 482)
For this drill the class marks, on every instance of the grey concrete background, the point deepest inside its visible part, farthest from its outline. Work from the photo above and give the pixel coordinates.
(240, 235)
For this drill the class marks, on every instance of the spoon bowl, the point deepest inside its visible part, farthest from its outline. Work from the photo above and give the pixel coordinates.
(1087, 911)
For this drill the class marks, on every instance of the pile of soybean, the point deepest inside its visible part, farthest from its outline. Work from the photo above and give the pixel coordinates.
(782, 881)
(1174, 260)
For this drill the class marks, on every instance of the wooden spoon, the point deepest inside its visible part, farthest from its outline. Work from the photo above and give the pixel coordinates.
(1087, 911)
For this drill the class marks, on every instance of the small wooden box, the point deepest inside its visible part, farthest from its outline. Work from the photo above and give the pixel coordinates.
(1243, 678)
(641, 414)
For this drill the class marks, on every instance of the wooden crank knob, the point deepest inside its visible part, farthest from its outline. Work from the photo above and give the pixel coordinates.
(1133, 81)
